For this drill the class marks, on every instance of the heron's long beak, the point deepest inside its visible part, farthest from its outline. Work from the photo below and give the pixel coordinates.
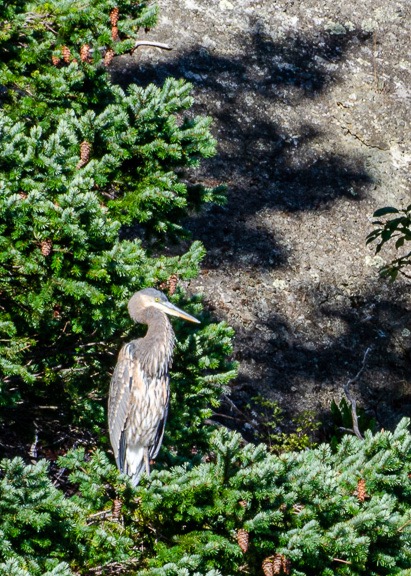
(172, 310)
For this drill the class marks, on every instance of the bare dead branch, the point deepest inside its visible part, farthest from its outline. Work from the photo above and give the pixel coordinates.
(351, 398)
(140, 43)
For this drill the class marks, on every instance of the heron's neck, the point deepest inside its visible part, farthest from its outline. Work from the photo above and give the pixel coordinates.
(158, 344)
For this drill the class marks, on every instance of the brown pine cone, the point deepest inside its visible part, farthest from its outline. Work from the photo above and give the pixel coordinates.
(277, 564)
(85, 148)
(109, 55)
(57, 312)
(55, 60)
(66, 54)
(116, 509)
(242, 539)
(267, 566)
(114, 16)
(361, 490)
(85, 53)
(45, 247)
(172, 284)
(286, 562)
(114, 33)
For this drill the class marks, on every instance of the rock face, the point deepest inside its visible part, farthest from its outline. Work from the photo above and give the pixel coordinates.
(311, 105)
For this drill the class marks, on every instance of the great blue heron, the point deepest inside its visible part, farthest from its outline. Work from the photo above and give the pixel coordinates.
(139, 389)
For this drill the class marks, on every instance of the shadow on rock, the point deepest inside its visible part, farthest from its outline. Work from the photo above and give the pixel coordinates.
(305, 364)
(264, 165)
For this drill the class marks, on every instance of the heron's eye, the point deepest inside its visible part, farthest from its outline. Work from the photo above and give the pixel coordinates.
(157, 299)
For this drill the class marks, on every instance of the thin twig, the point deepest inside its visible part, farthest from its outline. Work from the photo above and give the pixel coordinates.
(401, 528)
(90, 344)
(351, 399)
(343, 429)
(225, 416)
(149, 43)
(113, 567)
(48, 407)
(342, 561)
(99, 516)
(32, 17)
(138, 44)
(231, 403)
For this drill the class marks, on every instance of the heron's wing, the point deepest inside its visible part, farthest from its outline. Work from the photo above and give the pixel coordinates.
(120, 400)
(155, 447)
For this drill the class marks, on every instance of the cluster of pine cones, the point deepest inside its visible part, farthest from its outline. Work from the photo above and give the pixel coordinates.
(85, 51)
(276, 564)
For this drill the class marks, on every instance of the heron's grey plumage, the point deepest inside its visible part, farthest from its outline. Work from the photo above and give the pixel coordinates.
(139, 389)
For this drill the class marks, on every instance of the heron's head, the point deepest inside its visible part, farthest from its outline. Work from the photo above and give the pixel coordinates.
(151, 298)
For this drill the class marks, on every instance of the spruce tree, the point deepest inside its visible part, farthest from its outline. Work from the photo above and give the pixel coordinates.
(80, 160)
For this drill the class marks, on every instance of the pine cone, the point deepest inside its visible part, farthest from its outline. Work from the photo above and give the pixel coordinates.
(45, 247)
(114, 33)
(116, 509)
(172, 284)
(361, 490)
(108, 57)
(242, 539)
(56, 312)
(66, 54)
(55, 60)
(85, 53)
(114, 16)
(277, 564)
(85, 148)
(286, 565)
(267, 566)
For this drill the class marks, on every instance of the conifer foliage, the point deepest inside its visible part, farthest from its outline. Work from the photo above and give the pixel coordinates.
(80, 159)
(241, 510)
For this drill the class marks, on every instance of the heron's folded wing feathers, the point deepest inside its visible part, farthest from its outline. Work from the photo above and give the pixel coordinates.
(155, 447)
(119, 401)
